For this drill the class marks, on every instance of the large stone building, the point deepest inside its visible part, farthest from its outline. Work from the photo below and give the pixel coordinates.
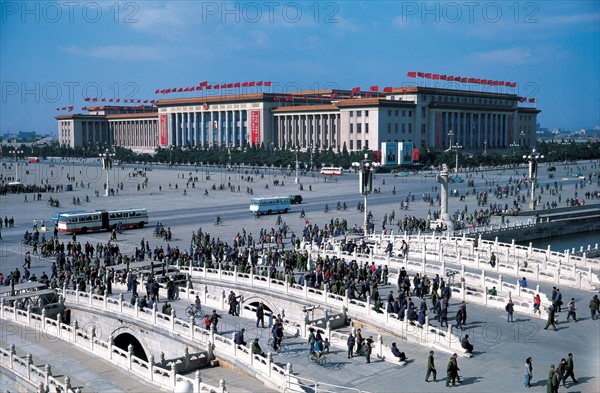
(313, 119)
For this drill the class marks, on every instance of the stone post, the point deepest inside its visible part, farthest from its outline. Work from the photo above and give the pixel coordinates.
(67, 384)
(47, 374)
(173, 374)
(379, 348)
(29, 362)
(222, 386)
(121, 303)
(173, 316)
(151, 367)
(29, 307)
(197, 381)
(129, 356)
(13, 353)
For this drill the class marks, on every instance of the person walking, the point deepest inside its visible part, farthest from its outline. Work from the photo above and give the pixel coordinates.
(570, 368)
(528, 371)
(431, 367)
(351, 341)
(594, 306)
(510, 309)
(451, 372)
(551, 320)
(571, 310)
(260, 315)
(537, 301)
(368, 348)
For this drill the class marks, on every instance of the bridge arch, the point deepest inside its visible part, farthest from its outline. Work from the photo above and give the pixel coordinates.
(123, 337)
(252, 302)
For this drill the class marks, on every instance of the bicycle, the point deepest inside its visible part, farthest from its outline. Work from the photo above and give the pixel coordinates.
(282, 347)
(322, 361)
(193, 310)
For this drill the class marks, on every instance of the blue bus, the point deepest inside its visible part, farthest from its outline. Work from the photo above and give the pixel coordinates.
(272, 205)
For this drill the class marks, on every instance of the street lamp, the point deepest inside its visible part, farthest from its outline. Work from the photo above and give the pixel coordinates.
(107, 159)
(365, 183)
(17, 153)
(297, 165)
(456, 148)
(485, 147)
(311, 157)
(514, 146)
(533, 164)
(522, 134)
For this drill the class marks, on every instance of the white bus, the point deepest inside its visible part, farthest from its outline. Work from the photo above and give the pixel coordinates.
(260, 206)
(331, 171)
(102, 220)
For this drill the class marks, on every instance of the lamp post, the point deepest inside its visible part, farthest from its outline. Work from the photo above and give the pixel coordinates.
(566, 143)
(485, 147)
(514, 146)
(533, 163)
(365, 183)
(311, 157)
(297, 165)
(17, 153)
(456, 148)
(107, 159)
(522, 135)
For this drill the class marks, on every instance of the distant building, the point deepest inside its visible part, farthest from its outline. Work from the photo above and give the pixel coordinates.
(312, 119)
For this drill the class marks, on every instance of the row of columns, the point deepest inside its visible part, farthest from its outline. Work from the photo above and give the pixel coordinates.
(95, 132)
(320, 131)
(221, 128)
(135, 133)
(472, 129)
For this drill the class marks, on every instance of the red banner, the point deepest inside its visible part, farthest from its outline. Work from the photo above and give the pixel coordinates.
(255, 127)
(163, 130)
(415, 154)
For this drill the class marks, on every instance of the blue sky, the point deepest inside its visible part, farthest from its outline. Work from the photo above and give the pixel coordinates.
(54, 54)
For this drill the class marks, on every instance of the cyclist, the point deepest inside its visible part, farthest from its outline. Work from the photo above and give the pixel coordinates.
(326, 208)
(318, 348)
(277, 334)
(302, 214)
(198, 304)
(218, 220)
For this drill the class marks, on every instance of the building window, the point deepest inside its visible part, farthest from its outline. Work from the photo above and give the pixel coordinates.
(396, 113)
(403, 128)
(358, 113)
(351, 128)
(366, 113)
(358, 144)
(367, 144)
(396, 128)
(351, 144)
(351, 113)
(389, 128)
(358, 128)
(423, 111)
(410, 128)
(403, 113)
(424, 98)
(366, 128)
(409, 113)
(389, 112)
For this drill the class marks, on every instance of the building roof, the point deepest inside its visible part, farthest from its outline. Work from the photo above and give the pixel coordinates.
(305, 108)
(117, 116)
(213, 99)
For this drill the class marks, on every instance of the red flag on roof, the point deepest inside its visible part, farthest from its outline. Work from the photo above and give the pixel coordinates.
(368, 94)
(259, 83)
(152, 101)
(464, 80)
(289, 98)
(57, 109)
(103, 100)
(411, 74)
(157, 91)
(267, 83)
(95, 99)
(84, 108)
(244, 84)
(420, 74)
(277, 98)
(88, 99)
(111, 100)
(236, 84)
(333, 95)
(428, 75)
(223, 85)
(522, 99)
(435, 76)
(71, 107)
(319, 95)
(145, 101)
(387, 89)
(64, 108)
(374, 88)
(476, 80)
(532, 100)
(444, 77)
(356, 90)
(216, 87)
(205, 83)
(251, 84)
(118, 100)
(208, 87)
(513, 84)
(198, 88)
(230, 85)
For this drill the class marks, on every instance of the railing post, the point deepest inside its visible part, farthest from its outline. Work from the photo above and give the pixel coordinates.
(120, 302)
(173, 316)
(92, 336)
(129, 356)
(197, 381)
(12, 356)
(222, 387)
(173, 374)
(75, 329)
(151, 367)
(154, 312)
(192, 326)
(90, 293)
(380, 346)
(136, 308)
(67, 384)
(449, 335)
(47, 374)
(269, 363)
(426, 328)
(28, 363)
(29, 307)
(234, 345)
(2, 308)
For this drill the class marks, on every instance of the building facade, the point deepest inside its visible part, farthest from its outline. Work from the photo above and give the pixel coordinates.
(326, 119)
